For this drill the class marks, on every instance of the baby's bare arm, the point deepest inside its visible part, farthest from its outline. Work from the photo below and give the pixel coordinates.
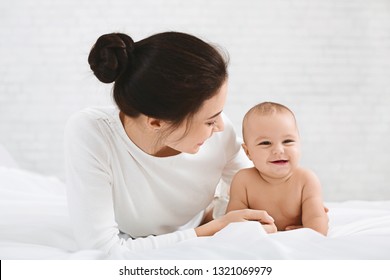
(314, 215)
(238, 197)
(238, 200)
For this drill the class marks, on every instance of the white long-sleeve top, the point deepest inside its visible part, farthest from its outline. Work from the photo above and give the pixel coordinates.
(116, 190)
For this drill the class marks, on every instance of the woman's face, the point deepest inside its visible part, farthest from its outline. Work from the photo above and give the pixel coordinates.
(201, 127)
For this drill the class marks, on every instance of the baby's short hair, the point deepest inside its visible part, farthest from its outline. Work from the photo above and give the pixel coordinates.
(265, 109)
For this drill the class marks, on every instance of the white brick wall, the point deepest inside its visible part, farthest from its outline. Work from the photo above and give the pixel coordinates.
(328, 60)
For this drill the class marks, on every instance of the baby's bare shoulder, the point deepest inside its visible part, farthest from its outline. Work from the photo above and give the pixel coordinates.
(245, 176)
(247, 173)
(309, 180)
(305, 173)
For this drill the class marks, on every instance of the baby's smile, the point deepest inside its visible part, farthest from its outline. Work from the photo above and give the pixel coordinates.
(280, 162)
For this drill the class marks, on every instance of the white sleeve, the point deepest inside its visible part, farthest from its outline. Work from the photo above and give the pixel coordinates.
(236, 158)
(89, 192)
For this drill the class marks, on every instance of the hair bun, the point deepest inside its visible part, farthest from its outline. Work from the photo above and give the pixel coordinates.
(110, 56)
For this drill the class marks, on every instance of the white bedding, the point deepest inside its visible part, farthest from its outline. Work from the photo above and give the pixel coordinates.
(34, 224)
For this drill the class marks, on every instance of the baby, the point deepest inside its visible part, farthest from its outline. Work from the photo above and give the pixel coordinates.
(289, 193)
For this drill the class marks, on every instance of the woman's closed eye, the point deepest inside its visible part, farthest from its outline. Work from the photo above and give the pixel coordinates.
(212, 123)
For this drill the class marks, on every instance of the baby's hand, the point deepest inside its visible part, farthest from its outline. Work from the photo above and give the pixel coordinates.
(293, 227)
(326, 209)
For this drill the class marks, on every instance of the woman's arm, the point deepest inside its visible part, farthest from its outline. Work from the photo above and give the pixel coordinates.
(242, 215)
(90, 198)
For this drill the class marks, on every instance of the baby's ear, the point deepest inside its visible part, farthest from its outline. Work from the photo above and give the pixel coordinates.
(246, 150)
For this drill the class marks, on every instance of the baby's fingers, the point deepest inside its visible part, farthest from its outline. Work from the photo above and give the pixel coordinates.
(294, 227)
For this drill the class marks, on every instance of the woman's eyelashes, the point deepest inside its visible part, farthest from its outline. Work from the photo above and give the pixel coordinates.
(212, 123)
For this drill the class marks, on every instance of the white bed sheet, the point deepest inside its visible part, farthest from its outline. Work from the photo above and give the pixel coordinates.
(34, 224)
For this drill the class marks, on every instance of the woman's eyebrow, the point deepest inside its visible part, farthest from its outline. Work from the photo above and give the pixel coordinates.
(213, 116)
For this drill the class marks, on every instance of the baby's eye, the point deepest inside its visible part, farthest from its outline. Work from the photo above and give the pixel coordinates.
(264, 143)
(288, 141)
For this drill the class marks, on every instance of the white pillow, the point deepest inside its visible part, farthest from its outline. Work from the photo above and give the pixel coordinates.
(6, 159)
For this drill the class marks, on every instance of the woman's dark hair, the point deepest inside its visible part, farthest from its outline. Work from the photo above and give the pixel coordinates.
(166, 76)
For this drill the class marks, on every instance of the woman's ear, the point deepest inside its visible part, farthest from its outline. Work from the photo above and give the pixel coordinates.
(246, 150)
(155, 125)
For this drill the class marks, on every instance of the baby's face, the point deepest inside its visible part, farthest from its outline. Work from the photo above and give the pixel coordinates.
(272, 143)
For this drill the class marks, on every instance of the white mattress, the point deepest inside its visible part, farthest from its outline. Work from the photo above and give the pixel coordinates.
(34, 224)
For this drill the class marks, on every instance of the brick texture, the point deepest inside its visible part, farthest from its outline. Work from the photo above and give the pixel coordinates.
(328, 60)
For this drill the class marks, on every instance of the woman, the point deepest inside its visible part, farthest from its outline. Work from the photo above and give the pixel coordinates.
(143, 174)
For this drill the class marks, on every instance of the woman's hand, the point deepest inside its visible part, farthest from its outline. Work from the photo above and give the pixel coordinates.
(270, 228)
(242, 215)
